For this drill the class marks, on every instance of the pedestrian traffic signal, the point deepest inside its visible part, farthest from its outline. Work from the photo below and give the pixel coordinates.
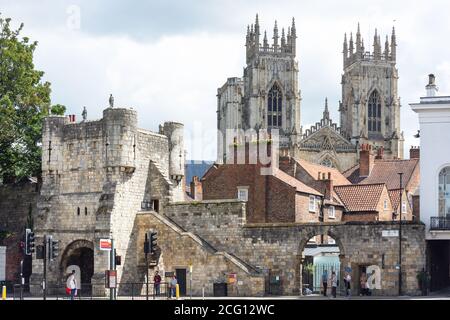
(29, 242)
(153, 242)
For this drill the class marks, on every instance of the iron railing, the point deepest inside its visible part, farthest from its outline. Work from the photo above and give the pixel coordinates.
(88, 291)
(440, 223)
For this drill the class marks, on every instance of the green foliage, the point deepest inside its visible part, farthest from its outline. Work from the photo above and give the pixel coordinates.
(24, 102)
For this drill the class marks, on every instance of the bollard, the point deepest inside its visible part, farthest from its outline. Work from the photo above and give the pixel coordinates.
(177, 291)
(4, 293)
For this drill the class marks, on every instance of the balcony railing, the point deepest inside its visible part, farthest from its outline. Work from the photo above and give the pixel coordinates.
(440, 223)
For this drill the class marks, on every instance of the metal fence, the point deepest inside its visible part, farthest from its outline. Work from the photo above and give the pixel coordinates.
(440, 223)
(88, 291)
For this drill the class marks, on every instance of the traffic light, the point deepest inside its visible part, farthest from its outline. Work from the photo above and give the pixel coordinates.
(29, 242)
(146, 244)
(54, 244)
(153, 242)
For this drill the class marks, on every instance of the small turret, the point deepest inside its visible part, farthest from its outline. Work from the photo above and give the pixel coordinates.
(257, 34)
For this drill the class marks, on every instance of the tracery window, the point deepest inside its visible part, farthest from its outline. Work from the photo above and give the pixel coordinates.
(327, 163)
(274, 106)
(374, 112)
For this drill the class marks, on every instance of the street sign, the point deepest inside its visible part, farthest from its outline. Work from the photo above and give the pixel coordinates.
(232, 278)
(105, 244)
(111, 279)
(389, 233)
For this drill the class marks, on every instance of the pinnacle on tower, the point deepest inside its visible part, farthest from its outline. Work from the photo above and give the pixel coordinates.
(358, 40)
(288, 37)
(345, 48)
(257, 34)
(326, 113)
(265, 42)
(351, 43)
(275, 36)
(386, 49)
(293, 37)
(393, 45)
(362, 46)
(293, 31)
(376, 46)
(283, 38)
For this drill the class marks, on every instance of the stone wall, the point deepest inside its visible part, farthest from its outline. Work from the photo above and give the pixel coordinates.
(180, 249)
(276, 248)
(16, 200)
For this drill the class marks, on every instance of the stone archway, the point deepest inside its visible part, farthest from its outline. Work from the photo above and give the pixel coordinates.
(79, 253)
(306, 236)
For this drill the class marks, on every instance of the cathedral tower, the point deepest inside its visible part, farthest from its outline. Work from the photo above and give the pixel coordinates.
(267, 97)
(370, 107)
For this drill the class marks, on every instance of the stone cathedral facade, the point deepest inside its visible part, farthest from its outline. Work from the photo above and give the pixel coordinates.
(268, 97)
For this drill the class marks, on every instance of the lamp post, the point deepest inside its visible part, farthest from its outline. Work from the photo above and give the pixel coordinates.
(400, 239)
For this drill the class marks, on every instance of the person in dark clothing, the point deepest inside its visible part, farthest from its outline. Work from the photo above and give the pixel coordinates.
(325, 282)
(157, 283)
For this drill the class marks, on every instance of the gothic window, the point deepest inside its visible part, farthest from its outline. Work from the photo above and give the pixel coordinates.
(327, 163)
(374, 112)
(444, 192)
(274, 106)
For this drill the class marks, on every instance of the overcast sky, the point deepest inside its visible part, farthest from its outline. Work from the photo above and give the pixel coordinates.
(167, 58)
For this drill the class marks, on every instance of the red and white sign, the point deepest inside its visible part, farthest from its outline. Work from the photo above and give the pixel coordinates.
(105, 244)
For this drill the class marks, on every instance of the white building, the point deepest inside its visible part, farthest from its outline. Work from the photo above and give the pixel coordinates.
(434, 119)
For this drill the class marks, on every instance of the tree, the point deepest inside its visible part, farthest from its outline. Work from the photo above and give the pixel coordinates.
(24, 102)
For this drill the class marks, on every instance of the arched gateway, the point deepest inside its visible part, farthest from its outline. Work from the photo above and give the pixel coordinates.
(79, 253)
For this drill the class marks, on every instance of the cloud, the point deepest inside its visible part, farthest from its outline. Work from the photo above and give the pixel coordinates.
(167, 58)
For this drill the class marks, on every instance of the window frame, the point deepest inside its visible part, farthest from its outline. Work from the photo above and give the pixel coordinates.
(314, 207)
(244, 189)
(332, 216)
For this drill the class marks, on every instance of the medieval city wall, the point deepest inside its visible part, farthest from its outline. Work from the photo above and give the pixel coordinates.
(276, 248)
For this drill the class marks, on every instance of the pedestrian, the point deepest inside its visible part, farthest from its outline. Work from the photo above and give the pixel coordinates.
(173, 286)
(334, 284)
(363, 284)
(348, 280)
(157, 283)
(325, 282)
(71, 283)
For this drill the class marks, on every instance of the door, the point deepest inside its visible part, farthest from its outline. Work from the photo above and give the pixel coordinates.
(181, 277)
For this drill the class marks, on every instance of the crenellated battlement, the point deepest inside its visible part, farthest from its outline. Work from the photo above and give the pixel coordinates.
(355, 51)
(281, 46)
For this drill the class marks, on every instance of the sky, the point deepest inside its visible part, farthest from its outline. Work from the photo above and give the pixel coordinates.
(166, 58)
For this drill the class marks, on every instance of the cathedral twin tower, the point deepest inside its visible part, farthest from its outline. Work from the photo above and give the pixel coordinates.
(268, 97)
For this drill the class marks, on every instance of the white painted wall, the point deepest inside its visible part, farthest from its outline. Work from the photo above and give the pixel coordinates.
(434, 119)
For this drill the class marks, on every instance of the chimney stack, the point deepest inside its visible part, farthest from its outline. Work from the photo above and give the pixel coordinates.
(380, 153)
(414, 152)
(328, 182)
(196, 189)
(366, 160)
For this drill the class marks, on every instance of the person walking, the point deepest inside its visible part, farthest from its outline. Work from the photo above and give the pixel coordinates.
(157, 283)
(71, 283)
(363, 284)
(325, 282)
(334, 284)
(348, 280)
(173, 286)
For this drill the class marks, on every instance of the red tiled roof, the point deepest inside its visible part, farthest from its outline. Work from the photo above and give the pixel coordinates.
(300, 186)
(313, 170)
(385, 171)
(360, 197)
